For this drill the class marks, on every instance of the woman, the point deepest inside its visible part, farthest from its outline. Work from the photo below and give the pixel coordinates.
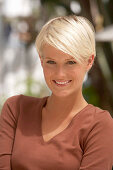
(61, 131)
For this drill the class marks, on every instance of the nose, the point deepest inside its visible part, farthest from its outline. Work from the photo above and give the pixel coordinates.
(60, 72)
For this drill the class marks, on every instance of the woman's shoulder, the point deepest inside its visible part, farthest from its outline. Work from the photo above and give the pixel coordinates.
(23, 101)
(100, 117)
(100, 112)
(23, 98)
(95, 123)
(95, 113)
(95, 118)
(12, 101)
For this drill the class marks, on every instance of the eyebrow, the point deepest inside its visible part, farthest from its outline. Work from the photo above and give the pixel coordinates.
(65, 59)
(49, 58)
(71, 58)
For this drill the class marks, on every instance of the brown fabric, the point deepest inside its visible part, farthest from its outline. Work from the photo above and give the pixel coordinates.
(86, 144)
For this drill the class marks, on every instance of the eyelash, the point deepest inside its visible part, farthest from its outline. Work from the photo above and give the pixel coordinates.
(71, 62)
(50, 62)
(68, 62)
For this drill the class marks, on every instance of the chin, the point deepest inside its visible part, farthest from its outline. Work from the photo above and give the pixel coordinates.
(62, 94)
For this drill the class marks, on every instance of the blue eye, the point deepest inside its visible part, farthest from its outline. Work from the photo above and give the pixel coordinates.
(71, 62)
(50, 62)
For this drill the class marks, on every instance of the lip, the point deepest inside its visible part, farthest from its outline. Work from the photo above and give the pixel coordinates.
(61, 85)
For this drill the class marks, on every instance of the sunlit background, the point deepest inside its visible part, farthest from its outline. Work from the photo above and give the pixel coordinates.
(20, 69)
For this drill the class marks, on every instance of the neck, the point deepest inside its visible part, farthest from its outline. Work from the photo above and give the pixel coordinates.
(65, 105)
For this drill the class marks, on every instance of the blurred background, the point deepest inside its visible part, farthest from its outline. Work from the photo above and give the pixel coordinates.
(20, 69)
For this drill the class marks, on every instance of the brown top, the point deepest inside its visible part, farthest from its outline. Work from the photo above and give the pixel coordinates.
(86, 143)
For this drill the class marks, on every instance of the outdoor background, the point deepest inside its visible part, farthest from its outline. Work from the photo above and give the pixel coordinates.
(20, 69)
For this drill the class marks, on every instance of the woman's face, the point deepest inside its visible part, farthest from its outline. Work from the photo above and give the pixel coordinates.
(64, 76)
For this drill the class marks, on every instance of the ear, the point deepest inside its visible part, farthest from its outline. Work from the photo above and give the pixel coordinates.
(90, 62)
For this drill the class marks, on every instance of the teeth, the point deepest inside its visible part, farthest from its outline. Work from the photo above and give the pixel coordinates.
(62, 82)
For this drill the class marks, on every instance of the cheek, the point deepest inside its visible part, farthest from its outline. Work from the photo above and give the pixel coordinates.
(49, 70)
(47, 73)
(78, 75)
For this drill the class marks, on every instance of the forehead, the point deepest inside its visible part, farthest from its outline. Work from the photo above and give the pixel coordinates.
(48, 51)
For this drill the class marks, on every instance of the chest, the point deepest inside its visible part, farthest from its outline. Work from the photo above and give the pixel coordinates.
(52, 127)
(30, 151)
(36, 155)
(50, 131)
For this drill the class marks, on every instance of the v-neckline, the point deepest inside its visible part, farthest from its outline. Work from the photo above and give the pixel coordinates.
(63, 131)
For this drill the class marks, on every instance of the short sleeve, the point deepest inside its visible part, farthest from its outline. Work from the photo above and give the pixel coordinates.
(98, 148)
(8, 122)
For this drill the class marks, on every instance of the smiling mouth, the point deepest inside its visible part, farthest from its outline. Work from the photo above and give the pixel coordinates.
(61, 83)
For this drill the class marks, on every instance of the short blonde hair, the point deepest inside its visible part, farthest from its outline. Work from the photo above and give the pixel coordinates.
(74, 35)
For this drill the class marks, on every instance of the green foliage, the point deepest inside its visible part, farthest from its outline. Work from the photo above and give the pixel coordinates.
(2, 100)
(91, 95)
(35, 88)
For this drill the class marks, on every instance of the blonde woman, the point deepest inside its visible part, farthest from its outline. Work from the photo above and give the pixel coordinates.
(61, 131)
